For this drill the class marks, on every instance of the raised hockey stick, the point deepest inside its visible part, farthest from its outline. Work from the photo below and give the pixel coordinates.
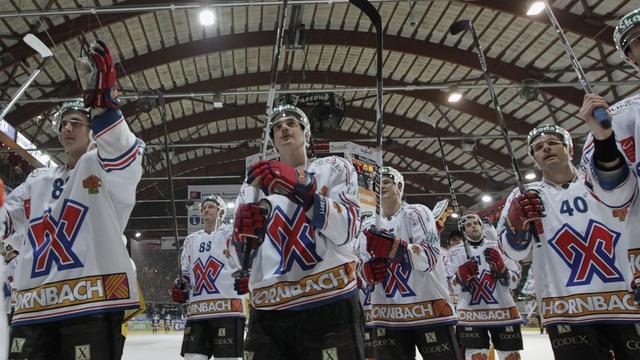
(172, 197)
(247, 251)
(466, 25)
(454, 199)
(46, 55)
(373, 15)
(600, 114)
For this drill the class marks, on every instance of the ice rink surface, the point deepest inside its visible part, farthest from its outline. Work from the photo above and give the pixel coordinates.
(167, 347)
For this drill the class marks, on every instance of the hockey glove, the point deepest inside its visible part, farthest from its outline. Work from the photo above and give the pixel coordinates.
(249, 225)
(241, 285)
(467, 271)
(383, 244)
(97, 77)
(374, 270)
(275, 177)
(523, 209)
(635, 285)
(496, 264)
(180, 289)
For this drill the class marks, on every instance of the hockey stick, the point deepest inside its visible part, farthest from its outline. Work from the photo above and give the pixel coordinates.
(454, 199)
(466, 25)
(600, 114)
(172, 197)
(46, 55)
(247, 251)
(373, 15)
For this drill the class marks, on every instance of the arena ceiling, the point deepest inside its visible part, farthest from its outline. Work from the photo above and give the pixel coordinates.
(164, 47)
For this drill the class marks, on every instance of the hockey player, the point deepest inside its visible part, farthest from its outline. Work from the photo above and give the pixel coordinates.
(304, 301)
(625, 115)
(482, 277)
(10, 250)
(411, 307)
(155, 323)
(215, 315)
(75, 279)
(581, 269)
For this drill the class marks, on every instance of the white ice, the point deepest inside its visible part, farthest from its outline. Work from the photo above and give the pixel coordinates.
(167, 347)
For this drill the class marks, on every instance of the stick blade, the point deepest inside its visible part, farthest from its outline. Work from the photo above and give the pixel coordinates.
(37, 45)
(460, 26)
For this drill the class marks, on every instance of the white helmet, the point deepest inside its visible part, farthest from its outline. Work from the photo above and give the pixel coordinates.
(222, 205)
(65, 107)
(464, 219)
(622, 35)
(283, 111)
(395, 175)
(553, 129)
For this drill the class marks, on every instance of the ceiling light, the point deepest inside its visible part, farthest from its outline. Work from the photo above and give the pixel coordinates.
(454, 215)
(486, 198)
(231, 205)
(535, 8)
(454, 95)
(206, 17)
(530, 175)
(138, 234)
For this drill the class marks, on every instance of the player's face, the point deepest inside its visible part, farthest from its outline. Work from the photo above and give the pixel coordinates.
(389, 188)
(288, 135)
(210, 211)
(74, 132)
(549, 150)
(633, 49)
(473, 229)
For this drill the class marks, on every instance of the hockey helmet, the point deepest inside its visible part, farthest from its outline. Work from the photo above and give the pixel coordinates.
(623, 35)
(466, 218)
(395, 175)
(553, 129)
(216, 199)
(283, 111)
(66, 107)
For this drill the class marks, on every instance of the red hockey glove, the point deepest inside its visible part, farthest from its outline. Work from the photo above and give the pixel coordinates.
(97, 77)
(466, 271)
(523, 209)
(635, 285)
(496, 264)
(249, 225)
(374, 270)
(180, 289)
(383, 244)
(241, 285)
(275, 177)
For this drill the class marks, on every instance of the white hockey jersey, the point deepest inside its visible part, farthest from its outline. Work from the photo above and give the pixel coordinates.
(625, 123)
(581, 273)
(485, 301)
(74, 261)
(207, 262)
(305, 262)
(418, 296)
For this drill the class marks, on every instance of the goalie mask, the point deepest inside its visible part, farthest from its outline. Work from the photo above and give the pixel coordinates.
(468, 218)
(395, 175)
(628, 30)
(65, 108)
(550, 129)
(282, 111)
(220, 203)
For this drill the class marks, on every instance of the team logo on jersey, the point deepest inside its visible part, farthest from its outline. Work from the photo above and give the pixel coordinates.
(397, 280)
(205, 276)
(293, 239)
(52, 239)
(92, 183)
(482, 288)
(629, 148)
(588, 255)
